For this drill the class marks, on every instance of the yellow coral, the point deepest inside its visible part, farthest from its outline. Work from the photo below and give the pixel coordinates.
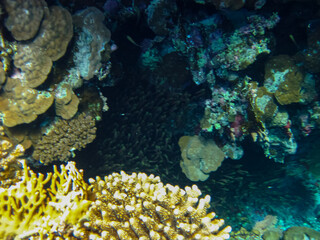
(120, 206)
(10, 167)
(23, 104)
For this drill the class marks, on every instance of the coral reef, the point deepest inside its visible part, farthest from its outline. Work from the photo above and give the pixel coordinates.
(66, 101)
(120, 206)
(284, 79)
(63, 138)
(21, 104)
(48, 31)
(92, 49)
(24, 17)
(49, 45)
(10, 167)
(199, 157)
(158, 12)
(141, 128)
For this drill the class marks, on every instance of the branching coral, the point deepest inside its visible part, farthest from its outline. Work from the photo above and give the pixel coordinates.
(10, 167)
(120, 206)
(64, 138)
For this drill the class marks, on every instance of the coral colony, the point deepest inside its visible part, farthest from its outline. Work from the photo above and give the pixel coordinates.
(219, 92)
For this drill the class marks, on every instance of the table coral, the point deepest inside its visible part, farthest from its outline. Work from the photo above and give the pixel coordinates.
(63, 138)
(300, 233)
(120, 206)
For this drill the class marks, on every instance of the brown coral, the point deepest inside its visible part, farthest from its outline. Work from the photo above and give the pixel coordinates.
(284, 79)
(64, 138)
(55, 33)
(33, 63)
(24, 17)
(23, 104)
(296, 232)
(138, 206)
(66, 102)
(35, 58)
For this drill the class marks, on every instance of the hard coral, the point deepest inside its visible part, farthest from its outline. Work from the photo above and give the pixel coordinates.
(23, 104)
(199, 157)
(33, 63)
(284, 79)
(55, 33)
(137, 206)
(64, 138)
(10, 167)
(66, 101)
(24, 17)
(91, 43)
(50, 44)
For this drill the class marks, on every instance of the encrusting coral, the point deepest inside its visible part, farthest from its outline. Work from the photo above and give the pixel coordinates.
(120, 206)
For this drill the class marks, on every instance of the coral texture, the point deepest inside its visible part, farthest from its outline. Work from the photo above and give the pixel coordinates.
(66, 101)
(64, 138)
(62, 206)
(92, 41)
(35, 58)
(22, 104)
(199, 157)
(10, 167)
(24, 17)
(283, 78)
